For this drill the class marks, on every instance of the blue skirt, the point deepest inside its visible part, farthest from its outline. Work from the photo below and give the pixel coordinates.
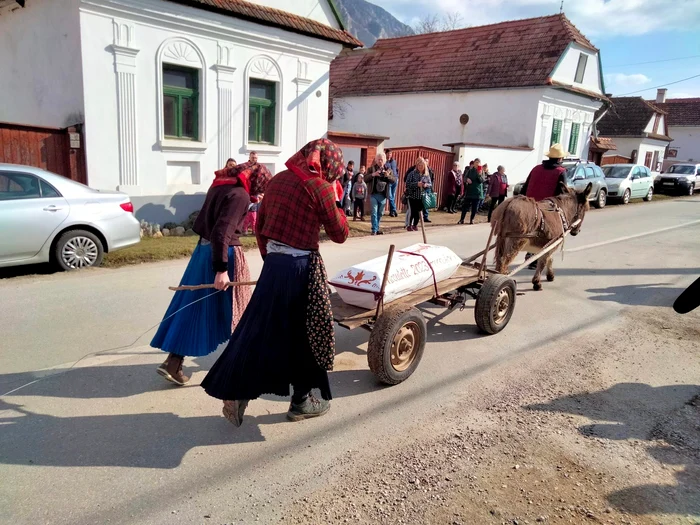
(197, 330)
(269, 349)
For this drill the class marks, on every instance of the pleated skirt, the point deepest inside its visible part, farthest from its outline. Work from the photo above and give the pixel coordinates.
(197, 322)
(269, 349)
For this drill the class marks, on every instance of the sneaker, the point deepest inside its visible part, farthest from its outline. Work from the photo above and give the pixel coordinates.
(427, 220)
(311, 407)
(460, 222)
(374, 233)
(380, 232)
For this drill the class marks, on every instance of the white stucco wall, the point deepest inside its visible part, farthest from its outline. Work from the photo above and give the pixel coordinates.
(625, 146)
(40, 68)
(502, 117)
(319, 10)
(650, 125)
(168, 179)
(518, 163)
(686, 139)
(565, 72)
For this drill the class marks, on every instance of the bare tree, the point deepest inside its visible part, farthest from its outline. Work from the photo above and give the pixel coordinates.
(451, 21)
(435, 23)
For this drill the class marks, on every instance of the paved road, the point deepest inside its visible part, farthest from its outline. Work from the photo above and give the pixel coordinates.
(108, 441)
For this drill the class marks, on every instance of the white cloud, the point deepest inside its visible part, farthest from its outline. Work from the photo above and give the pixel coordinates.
(622, 80)
(593, 17)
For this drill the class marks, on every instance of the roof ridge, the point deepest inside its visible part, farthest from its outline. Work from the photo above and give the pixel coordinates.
(574, 31)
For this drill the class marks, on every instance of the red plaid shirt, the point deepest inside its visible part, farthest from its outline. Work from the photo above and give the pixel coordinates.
(293, 211)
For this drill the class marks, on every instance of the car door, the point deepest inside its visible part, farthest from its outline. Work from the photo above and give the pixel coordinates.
(647, 181)
(636, 182)
(30, 211)
(578, 182)
(592, 179)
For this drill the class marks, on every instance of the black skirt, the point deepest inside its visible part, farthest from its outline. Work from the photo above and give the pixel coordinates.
(269, 349)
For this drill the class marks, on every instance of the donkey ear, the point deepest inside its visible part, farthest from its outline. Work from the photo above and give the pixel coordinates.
(564, 188)
(588, 190)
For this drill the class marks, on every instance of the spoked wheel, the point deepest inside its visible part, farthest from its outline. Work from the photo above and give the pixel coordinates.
(626, 197)
(602, 199)
(495, 304)
(650, 195)
(397, 343)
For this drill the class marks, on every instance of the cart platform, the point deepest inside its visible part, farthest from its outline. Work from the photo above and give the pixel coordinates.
(351, 317)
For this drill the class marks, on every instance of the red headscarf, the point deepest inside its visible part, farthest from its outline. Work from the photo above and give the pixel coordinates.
(319, 158)
(253, 177)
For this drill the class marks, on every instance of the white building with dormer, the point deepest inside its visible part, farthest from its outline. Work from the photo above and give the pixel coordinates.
(503, 92)
(165, 91)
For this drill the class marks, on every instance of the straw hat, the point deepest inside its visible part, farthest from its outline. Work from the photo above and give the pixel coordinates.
(557, 152)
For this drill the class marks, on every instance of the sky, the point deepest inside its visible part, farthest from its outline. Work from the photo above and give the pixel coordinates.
(643, 43)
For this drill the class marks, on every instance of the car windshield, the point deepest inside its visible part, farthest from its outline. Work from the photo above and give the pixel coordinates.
(683, 170)
(616, 172)
(570, 170)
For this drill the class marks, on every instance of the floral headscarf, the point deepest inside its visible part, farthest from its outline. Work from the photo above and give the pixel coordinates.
(319, 158)
(252, 176)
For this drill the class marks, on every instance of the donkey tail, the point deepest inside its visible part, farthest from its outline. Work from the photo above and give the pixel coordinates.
(497, 216)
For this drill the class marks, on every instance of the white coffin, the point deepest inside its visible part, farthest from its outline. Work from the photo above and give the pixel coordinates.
(359, 284)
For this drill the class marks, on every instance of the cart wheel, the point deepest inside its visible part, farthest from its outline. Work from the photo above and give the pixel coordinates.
(396, 344)
(495, 304)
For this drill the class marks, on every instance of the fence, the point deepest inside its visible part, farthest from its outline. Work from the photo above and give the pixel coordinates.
(45, 148)
(439, 161)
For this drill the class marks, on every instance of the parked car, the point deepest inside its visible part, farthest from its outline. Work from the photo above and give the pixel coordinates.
(628, 181)
(578, 175)
(48, 218)
(679, 178)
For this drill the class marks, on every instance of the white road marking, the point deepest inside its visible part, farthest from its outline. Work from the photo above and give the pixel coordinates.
(630, 237)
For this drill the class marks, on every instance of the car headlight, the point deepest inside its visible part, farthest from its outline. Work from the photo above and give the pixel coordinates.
(657, 178)
(688, 179)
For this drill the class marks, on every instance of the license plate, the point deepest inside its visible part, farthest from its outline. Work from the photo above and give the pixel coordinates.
(669, 183)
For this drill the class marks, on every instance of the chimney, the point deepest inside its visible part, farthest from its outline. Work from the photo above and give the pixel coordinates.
(661, 95)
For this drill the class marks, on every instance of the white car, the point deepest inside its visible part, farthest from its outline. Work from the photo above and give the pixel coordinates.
(48, 218)
(678, 178)
(628, 181)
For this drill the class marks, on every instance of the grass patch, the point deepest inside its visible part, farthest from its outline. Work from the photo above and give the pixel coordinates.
(163, 249)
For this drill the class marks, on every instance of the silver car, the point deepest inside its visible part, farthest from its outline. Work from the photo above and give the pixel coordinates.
(48, 218)
(629, 181)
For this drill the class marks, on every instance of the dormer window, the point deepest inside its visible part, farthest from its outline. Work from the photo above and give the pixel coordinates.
(581, 68)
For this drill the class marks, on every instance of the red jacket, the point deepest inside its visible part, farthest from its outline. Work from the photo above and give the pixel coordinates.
(543, 183)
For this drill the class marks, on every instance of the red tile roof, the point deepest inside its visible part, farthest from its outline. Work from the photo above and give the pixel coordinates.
(276, 18)
(682, 111)
(629, 117)
(604, 143)
(519, 53)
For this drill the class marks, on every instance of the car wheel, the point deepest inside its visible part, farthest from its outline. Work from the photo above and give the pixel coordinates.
(650, 195)
(602, 199)
(691, 189)
(626, 197)
(78, 249)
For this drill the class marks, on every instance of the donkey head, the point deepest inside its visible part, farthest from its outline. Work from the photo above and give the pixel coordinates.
(582, 207)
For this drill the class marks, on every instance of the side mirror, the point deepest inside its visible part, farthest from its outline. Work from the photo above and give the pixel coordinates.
(578, 177)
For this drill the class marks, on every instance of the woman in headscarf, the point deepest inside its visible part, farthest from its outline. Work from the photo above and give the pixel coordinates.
(197, 322)
(286, 335)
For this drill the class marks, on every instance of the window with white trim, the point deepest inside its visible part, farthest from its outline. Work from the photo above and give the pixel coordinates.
(581, 68)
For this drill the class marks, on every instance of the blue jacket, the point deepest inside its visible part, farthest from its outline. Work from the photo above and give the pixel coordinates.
(392, 165)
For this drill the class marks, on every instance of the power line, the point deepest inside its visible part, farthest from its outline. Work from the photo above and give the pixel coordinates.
(656, 61)
(661, 86)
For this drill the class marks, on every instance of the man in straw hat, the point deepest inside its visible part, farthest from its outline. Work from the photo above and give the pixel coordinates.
(545, 180)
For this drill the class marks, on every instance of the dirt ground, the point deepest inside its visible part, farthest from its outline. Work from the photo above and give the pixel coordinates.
(601, 429)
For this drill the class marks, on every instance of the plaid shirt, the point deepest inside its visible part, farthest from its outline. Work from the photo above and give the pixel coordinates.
(293, 212)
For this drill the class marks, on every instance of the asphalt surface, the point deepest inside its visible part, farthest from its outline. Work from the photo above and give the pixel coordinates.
(90, 434)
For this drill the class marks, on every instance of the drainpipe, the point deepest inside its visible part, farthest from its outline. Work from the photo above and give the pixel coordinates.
(595, 122)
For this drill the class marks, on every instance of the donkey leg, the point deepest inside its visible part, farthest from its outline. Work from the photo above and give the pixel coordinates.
(507, 254)
(550, 268)
(536, 280)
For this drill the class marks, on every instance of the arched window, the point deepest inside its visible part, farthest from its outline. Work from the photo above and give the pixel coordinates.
(181, 95)
(263, 96)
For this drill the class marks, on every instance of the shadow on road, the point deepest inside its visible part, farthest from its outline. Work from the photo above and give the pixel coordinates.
(28, 269)
(662, 415)
(638, 295)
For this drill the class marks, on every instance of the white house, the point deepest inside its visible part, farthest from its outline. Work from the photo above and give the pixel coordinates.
(683, 115)
(167, 90)
(639, 130)
(503, 92)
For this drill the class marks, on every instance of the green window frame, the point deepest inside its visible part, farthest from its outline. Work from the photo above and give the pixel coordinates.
(181, 104)
(262, 111)
(573, 138)
(556, 132)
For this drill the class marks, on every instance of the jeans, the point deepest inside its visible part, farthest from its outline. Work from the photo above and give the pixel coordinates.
(392, 198)
(470, 202)
(378, 202)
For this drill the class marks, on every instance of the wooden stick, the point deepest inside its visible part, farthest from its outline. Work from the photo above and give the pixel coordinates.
(208, 286)
(477, 255)
(380, 302)
(486, 253)
(422, 228)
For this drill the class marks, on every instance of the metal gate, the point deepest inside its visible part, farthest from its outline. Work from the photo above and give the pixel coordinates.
(57, 150)
(439, 161)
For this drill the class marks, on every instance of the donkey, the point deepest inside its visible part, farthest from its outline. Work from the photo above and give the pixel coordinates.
(522, 224)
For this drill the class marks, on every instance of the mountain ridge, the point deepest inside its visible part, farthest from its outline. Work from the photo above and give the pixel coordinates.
(368, 22)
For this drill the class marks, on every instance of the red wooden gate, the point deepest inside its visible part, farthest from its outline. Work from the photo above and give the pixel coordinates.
(439, 161)
(45, 148)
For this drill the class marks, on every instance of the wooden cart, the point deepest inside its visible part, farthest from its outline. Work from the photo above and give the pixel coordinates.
(398, 330)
